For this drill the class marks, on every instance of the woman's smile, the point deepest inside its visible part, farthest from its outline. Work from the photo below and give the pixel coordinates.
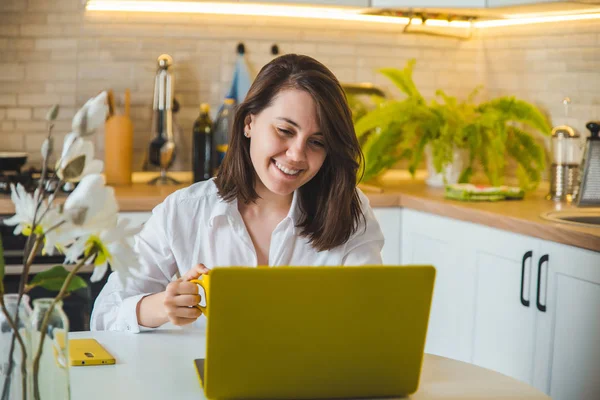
(288, 173)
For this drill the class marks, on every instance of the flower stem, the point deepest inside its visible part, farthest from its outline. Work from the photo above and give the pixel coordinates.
(22, 283)
(44, 327)
(58, 225)
(16, 334)
(40, 192)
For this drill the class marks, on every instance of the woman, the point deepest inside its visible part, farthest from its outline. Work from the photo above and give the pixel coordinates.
(285, 195)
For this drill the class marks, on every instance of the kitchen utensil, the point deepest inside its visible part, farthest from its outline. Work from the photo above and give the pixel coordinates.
(118, 146)
(111, 103)
(564, 171)
(589, 188)
(161, 151)
(12, 161)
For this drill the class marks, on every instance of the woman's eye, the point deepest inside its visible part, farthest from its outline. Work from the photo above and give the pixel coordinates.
(317, 143)
(285, 131)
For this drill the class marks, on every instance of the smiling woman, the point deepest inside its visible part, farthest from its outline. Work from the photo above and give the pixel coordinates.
(295, 131)
(285, 195)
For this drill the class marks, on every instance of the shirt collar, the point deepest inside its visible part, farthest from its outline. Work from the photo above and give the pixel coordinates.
(222, 208)
(294, 214)
(229, 208)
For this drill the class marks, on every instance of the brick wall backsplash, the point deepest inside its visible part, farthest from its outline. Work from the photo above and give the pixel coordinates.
(544, 64)
(57, 53)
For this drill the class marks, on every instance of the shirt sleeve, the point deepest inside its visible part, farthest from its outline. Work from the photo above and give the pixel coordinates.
(364, 247)
(115, 307)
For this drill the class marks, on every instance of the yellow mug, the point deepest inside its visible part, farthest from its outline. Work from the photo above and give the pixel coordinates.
(203, 285)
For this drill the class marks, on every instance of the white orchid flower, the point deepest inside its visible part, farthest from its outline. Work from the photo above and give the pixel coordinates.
(91, 116)
(49, 221)
(92, 206)
(25, 205)
(77, 159)
(111, 248)
(55, 239)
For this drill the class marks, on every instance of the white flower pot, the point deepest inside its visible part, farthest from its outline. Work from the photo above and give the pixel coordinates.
(450, 171)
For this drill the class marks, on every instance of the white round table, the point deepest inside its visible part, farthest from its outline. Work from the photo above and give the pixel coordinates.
(159, 365)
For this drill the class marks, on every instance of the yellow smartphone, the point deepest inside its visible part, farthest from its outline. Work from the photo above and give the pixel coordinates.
(88, 352)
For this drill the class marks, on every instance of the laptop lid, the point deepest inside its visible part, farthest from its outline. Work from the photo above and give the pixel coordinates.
(316, 332)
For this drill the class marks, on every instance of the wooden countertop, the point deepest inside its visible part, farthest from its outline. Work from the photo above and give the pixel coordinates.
(519, 216)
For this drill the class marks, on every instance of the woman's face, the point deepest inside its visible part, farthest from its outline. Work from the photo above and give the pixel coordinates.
(286, 146)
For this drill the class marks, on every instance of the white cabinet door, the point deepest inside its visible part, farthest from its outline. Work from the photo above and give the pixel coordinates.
(568, 331)
(390, 221)
(428, 3)
(504, 332)
(490, 308)
(434, 240)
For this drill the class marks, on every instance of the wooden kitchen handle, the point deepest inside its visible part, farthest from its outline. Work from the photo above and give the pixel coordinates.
(111, 103)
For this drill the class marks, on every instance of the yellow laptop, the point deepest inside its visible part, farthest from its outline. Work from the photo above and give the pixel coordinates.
(315, 332)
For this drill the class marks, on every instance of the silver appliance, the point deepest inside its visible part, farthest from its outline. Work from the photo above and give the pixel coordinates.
(161, 151)
(589, 187)
(566, 157)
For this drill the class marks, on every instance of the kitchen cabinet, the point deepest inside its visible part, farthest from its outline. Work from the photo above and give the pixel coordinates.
(438, 241)
(342, 3)
(522, 306)
(537, 309)
(390, 220)
(568, 331)
(428, 4)
(504, 331)
(459, 3)
(510, 3)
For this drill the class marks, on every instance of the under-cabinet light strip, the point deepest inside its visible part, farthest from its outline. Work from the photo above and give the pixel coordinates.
(330, 13)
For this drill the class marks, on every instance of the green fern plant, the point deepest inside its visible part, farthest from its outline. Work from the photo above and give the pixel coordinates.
(491, 132)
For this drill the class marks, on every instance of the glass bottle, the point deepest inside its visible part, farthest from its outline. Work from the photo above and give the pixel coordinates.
(53, 371)
(221, 131)
(13, 388)
(202, 165)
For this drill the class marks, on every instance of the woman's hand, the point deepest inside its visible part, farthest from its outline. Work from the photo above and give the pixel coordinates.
(181, 296)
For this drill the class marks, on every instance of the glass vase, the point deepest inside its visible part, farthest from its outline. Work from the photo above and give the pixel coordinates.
(15, 387)
(50, 366)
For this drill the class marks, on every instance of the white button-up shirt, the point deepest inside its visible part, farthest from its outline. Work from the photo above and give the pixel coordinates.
(195, 226)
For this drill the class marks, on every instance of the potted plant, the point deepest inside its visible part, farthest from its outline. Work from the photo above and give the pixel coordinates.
(84, 227)
(487, 133)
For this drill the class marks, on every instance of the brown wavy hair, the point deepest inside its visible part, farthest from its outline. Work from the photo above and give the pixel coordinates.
(329, 202)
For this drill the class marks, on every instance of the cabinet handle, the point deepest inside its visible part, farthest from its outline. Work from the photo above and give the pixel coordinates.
(543, 259)
(527, 255)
